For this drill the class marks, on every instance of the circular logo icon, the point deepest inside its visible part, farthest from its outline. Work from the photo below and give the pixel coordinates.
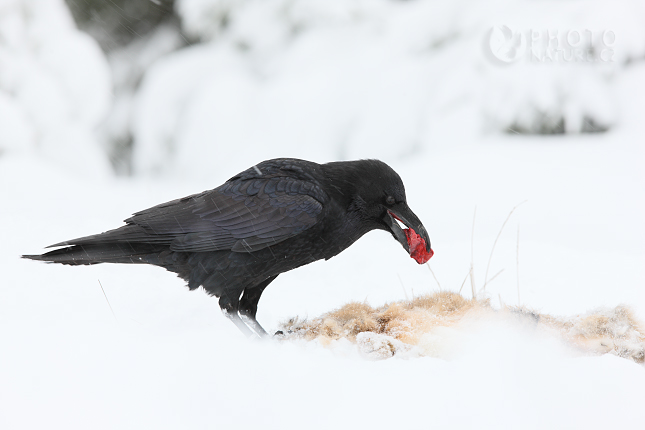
(504, 46)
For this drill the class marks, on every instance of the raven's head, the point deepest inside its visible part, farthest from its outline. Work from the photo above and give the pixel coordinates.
(379, 196)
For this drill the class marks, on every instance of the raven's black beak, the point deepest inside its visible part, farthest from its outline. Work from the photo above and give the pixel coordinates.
(404, 214)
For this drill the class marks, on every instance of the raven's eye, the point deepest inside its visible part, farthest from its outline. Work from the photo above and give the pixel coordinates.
(389, 200)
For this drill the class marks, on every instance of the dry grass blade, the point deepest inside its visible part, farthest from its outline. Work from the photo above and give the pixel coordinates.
(517, 268)
(434, 276)
(492, 251)
(405, 293)
(106, 299)
(465, 279)
(490, 280)
(472, 256)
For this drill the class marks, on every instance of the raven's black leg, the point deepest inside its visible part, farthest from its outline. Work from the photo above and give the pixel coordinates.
(230, 309)
(249, 305)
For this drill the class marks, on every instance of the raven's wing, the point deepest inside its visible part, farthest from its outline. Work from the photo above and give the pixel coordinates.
(241, 215)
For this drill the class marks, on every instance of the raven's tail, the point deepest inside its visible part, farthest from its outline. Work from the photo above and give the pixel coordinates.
(113, 252)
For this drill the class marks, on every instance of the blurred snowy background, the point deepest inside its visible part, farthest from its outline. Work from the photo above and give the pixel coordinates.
(163, 81)
(109, 107)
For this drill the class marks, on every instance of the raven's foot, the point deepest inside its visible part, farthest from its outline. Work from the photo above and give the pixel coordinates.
(235, 318)
(252, 323)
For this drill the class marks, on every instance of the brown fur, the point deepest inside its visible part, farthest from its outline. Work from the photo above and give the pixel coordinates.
(614, 331)
(399, 327)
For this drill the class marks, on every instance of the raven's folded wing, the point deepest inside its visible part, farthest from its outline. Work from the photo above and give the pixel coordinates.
(241, 215)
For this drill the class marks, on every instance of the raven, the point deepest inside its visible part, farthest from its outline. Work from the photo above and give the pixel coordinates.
(276, 216)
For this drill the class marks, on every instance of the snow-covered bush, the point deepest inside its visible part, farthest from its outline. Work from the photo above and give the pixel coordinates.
(54, 86)
(318, 79)
(323, 80)
(349, 79)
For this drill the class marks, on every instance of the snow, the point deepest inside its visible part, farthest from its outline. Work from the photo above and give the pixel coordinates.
(403, 81)
(171, 359)
(54, 86)
(381, 71)
(128, 64)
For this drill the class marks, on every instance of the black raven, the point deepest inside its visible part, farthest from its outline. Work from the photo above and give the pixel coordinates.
(236, 239)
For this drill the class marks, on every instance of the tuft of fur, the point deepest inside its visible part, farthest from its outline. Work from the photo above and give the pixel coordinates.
(406, 321)
(615, 331)
(420, 324)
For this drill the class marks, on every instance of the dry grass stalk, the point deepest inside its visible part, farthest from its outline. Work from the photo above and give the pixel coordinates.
(492, 251)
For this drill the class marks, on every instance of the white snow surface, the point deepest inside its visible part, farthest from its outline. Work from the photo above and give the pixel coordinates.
(170, 359)
(351, 85)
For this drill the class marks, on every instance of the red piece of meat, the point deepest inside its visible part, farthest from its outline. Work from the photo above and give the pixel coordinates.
(417, 246)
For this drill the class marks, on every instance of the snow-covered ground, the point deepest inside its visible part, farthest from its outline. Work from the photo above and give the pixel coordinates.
(171, 360)
(168, 359)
